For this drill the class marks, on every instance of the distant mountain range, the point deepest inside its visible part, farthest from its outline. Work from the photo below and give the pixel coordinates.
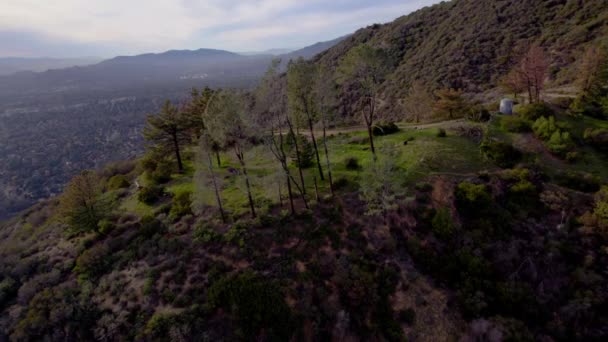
(272, 52)
(57, 122)
(11, 65)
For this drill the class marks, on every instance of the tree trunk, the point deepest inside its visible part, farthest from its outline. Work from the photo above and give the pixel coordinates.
(218, 198)
(219, 161)
(314, 144)
(295, 143)
(369, 121)
(370, 133)
(316, 188)
(279, 153)
(280, 195)
(331, 183)
(291, 205)
(178, 156)
(241, 158)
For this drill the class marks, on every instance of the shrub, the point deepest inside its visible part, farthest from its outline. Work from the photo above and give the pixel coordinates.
(471, 132)
(572, 157)
(601, 204)
(584, 105)
(118, 168)
(305, 148)
(162, 173)
(118, 182)
(503, 154)
(150, 195)
(342, 183)
(598, 138)
(559, 143)
(535, 110)
(442, 223)
(256, 304)
(204, 234)
(563, 102)
(441, 133)
(150, 226)
(93, 262)
(8, 290)
(556, 140)
(105, 226)
(515, 124)
(352, 163)
(472, 197)
(181, 205)
(581, 181)
(408, 316)
(478, 114)
(384, 128)
(544, 128)
(148, 163)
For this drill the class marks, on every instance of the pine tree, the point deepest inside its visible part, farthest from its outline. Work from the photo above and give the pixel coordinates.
(170, 130)
(593, 82)
(450, 101)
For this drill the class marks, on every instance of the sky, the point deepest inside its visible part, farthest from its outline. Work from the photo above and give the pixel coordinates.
(105, 28)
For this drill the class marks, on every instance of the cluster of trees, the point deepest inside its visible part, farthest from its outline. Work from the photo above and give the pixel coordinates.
(529, 74)
(593, 83)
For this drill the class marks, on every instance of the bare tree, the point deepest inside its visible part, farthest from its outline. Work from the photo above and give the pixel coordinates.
(230, 125)
(363, 71)
(326, 101)
(530, 73)
(300, 88)
(271, 113)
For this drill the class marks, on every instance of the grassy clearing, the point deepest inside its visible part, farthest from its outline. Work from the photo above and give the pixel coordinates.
(423, 155)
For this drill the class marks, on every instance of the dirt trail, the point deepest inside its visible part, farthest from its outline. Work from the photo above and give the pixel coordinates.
(359, 128)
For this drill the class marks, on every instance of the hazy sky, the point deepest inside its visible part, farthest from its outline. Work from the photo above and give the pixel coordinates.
(64, 28)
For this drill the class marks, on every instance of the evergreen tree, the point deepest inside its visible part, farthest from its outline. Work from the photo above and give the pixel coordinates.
(450, 101)
(170, 130)
(418, 102)
(593, 82)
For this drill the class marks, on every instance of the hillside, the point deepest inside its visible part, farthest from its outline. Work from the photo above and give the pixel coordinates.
(466, 249)
(471, 44)
(268, 214)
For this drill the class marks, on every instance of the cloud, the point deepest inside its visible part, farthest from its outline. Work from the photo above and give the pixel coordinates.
(155, 25)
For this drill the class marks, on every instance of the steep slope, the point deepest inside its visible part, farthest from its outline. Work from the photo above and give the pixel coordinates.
(470, 252)
(470, 44)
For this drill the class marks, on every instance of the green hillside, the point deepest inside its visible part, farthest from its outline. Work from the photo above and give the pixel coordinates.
(261, 215)
(470, 44)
